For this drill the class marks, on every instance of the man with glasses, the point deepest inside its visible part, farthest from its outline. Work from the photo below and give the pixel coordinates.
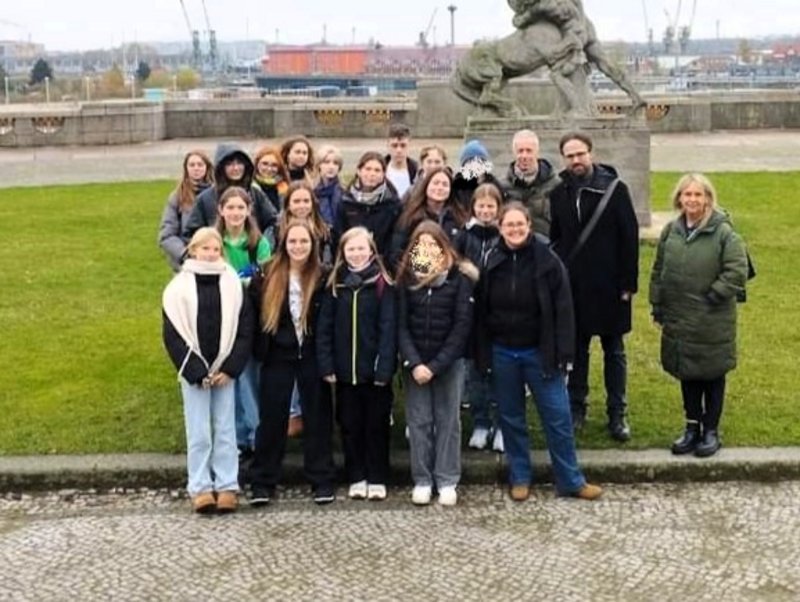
(595, 232)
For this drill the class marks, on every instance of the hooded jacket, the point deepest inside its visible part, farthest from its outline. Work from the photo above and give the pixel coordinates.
(534, 195)
(205, 209)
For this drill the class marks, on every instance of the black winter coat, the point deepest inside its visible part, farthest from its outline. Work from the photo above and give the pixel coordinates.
(208, 331)
(434, 322)
(283, 344)
(379, 218)
(476, 242)
(556, 319)
(463, 189)
(205, 210)
(357, 331)
(608, 264)
(401, 234)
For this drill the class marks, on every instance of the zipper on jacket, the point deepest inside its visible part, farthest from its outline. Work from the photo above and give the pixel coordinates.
(513, 285)
(354, 330)
(428, 319)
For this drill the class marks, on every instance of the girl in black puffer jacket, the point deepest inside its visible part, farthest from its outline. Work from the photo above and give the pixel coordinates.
(357, 350)
(434, 318)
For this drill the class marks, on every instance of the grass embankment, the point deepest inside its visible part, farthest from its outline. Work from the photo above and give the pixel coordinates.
(83, 370)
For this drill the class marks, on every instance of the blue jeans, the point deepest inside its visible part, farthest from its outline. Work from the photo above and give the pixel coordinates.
(212, 460)
(246, 394)
(512, 369)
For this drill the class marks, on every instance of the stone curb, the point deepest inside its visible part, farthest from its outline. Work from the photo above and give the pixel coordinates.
(101, 472)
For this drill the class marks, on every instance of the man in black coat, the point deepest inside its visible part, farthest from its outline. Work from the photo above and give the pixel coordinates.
(603, 272)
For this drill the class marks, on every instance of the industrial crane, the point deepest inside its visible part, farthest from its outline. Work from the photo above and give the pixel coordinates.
(685, 32)
(194, 35)
(423, 35)
(212, 40)
(647, 29)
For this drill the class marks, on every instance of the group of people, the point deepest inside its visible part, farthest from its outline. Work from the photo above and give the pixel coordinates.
(299, 298)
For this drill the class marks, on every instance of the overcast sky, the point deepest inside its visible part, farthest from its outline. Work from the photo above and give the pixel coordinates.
(83, 24)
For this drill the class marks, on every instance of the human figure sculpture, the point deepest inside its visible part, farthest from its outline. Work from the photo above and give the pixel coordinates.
(555, 34)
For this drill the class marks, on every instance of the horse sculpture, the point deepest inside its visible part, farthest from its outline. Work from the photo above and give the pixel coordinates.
(482, 74)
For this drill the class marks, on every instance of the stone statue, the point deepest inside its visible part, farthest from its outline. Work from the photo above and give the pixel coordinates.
(555, 34)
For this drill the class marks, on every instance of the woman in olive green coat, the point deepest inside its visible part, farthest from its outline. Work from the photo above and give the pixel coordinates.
(700, 266)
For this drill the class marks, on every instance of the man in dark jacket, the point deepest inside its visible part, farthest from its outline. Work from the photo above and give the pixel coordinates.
(401, 170)
(530, 180)
(232, 167)
(603, 272)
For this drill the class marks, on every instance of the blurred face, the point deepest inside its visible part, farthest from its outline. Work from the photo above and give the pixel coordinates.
(208, 251)
(196, 168)
(234, 213)
(433, 160)
(357, 251)
(298, 244)
(371, 174)
(427, 256)
(515, 228)
(693, 201)
(267, 166)
(300, 204)
(485, 209)
(329, 168)
(438, 189)
(526, 154)
(234, 169)
(577, 158)
(398, 149)
(298, 155)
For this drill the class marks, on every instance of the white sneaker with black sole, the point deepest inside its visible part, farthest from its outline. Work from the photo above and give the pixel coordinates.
(480, 438)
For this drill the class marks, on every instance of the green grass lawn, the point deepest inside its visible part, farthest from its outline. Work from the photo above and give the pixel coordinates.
(83, 369)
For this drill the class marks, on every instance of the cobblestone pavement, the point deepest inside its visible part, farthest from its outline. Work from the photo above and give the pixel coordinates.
(752, 150)
(723, 541)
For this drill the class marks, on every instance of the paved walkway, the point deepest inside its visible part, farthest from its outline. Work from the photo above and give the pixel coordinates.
(731, 541)
(718, 151)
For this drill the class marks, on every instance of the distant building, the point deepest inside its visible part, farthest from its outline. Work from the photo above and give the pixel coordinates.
(19, 57)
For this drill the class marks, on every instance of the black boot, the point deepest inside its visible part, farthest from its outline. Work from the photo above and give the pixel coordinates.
(618, 427)
(709, 445)
(688, 441)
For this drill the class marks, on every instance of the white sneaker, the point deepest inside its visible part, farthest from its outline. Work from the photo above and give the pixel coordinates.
(497, 444)
(421, 495)
(376, 492)
(480, 438)
(448, 496)
(408, 434)
(357, 491)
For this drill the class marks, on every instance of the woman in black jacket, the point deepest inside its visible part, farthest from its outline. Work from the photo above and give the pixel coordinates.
(434, 318)
(357, 351)
(288, 300)
(526, 328)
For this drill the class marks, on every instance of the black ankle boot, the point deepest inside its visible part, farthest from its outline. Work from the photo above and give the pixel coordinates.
(618, 428)
(709, 445)
(688, 441)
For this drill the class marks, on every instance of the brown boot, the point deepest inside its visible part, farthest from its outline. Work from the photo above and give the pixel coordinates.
(227, 502)
(588, 492)
(295, 428)
(204, 503)
(520, 493)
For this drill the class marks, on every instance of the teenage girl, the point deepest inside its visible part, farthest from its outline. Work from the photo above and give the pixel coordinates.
(301, 204)
(356, 350)
(208, 334)
(271, 175)
(298, 156)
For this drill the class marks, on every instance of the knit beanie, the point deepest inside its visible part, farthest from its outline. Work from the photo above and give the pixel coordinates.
(473, 150)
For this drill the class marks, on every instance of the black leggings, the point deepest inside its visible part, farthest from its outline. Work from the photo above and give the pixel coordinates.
(695, 392)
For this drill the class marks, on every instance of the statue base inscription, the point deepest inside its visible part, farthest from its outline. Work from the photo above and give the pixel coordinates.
(621, 141)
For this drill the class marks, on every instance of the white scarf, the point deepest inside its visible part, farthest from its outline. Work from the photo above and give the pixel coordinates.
(180, 304)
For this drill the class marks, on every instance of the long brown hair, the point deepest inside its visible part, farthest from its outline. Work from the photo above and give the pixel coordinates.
(319, 227)
(404, 270)
(310, 163)
(276, 290)
(185, 188)
(340, 260)
(362, 161)
(416, 209)
(250, 225)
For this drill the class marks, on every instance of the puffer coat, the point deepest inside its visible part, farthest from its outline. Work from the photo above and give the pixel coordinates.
(693, 289)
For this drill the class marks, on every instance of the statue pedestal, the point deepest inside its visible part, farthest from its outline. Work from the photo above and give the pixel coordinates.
(621, 141)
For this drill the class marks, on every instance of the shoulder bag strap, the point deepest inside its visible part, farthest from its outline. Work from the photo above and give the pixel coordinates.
(598, 213)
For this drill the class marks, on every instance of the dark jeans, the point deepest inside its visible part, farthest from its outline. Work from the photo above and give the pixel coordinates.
(712, 392)
(277, 382)
(363, 412)
(615, 369)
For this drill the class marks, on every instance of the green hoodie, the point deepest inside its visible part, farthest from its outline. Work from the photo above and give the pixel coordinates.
(237, 254)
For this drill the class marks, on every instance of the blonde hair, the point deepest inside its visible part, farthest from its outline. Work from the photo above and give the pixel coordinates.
(340, 260)
(695, 178)
(201, 237)
(327, 150)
